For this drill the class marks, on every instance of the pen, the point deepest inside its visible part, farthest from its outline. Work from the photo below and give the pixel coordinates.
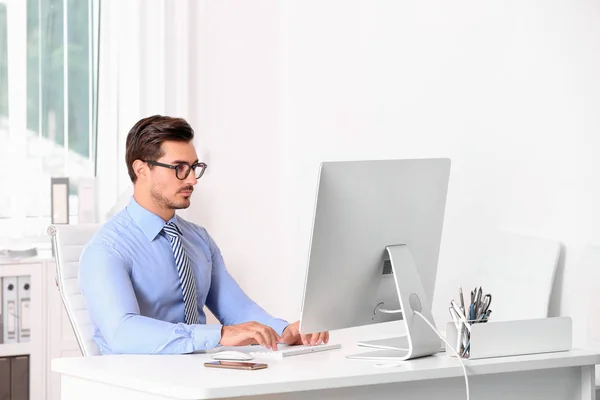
(466, 348)
(462, 299)
(482, 317)
(454, 316)
(456, 308)
(460, 314)
(458, 324)
(450, 309)
(487, 315)
(459, 328)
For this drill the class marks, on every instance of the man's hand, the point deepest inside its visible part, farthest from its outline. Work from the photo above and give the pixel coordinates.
(250, 333)
(291, 335)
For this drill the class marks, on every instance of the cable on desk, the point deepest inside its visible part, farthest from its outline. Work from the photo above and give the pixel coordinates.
(450, 347)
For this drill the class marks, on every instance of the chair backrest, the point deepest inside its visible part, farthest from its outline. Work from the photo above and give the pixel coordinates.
(517, 270)
(69, 241)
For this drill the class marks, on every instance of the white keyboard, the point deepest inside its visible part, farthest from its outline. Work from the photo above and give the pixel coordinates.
(288, 351)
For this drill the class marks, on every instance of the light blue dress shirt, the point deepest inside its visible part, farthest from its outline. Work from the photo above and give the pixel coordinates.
(129, 280)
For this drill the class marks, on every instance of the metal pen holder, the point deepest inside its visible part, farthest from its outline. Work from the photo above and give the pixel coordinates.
(466, 315)
(463, 343)
(511, 338)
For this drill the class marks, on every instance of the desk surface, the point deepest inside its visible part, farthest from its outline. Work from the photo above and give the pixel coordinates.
(185, 377)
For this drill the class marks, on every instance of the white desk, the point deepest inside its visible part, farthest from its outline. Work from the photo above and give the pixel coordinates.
(329, 375)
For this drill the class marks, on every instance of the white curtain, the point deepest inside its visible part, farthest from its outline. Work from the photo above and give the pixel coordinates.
(144, 69)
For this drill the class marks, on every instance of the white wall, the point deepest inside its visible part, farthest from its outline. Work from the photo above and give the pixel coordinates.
(508, 90)
(239, 198)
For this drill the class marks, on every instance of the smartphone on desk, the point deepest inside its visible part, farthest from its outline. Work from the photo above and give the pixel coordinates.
(235, 365)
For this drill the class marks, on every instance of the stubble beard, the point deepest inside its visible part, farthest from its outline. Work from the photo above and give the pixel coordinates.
(164, 202)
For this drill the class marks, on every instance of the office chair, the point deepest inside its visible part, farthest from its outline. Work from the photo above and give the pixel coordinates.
(69, 241)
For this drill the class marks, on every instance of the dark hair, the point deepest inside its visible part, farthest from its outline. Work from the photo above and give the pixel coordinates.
(145, 139)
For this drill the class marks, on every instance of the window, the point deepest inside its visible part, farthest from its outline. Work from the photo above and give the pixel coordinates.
(3, 69)
(48, 53)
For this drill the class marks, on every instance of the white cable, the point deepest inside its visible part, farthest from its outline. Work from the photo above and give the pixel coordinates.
(385, 310)
(450, 347)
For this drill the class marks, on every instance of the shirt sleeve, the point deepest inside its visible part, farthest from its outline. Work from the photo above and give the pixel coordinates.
(105, 283)
(228, 302)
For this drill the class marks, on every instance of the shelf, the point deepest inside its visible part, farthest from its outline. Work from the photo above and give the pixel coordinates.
(20, 269)
(40, 258)
(15, 349)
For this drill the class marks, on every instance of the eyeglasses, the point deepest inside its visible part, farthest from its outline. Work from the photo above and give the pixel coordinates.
(182, 170)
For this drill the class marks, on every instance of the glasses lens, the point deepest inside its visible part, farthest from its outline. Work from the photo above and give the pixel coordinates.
(182, 171)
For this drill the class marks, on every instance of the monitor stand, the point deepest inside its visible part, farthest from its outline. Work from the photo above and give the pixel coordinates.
(393, 343)
(420, 340)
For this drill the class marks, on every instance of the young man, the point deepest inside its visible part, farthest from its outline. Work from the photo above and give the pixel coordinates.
(147, 274)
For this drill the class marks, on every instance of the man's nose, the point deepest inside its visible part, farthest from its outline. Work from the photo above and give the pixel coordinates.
(191, 179)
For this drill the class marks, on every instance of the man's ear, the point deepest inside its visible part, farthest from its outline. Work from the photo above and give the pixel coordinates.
(141, 169)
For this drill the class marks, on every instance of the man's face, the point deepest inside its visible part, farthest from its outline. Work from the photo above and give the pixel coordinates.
(165, 188)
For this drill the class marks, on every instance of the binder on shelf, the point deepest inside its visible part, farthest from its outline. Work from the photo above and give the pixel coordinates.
(10, 309)
(4, 378)
(24, 302)
(19, 378)
(59, 201)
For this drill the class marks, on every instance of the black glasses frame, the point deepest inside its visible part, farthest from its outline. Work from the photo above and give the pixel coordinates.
(177, 168)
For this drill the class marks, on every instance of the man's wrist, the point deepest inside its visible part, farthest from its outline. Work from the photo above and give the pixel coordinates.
(205, 337)
(279, 325)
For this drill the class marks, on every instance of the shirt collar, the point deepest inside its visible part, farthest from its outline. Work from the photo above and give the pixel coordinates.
(150, 223)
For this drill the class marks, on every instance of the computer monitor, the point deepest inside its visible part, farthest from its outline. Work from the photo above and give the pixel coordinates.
(375, 242)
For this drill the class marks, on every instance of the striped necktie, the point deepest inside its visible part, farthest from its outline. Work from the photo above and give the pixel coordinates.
(186, 275)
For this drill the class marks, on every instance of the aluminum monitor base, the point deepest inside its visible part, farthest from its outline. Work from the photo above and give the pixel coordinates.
(393, 343)
(420, 339)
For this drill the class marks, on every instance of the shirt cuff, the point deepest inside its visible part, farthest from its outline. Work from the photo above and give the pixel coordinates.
(279, 325)
(206, 337)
